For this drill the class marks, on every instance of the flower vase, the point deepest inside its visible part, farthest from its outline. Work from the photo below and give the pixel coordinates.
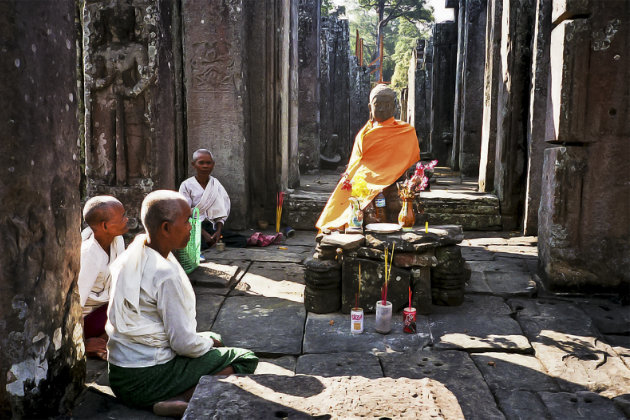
(356, 215)
(406, 217)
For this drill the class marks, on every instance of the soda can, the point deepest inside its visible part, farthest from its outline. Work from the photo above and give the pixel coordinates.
(409, 320)
(356, 320)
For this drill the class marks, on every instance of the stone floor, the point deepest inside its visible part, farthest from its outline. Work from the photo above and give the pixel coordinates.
(512, 350)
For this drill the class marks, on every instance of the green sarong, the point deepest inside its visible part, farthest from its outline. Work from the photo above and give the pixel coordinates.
(143, 387)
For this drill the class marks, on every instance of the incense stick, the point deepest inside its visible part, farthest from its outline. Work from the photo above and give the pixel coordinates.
(279, 202)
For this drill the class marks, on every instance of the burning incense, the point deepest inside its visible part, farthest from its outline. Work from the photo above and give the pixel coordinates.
(279, 202)
(359, 292)
(389, 259)
(409, 297)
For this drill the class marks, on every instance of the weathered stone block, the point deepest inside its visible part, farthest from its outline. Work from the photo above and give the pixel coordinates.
(410, 259)
(372, 280)
(347, 242)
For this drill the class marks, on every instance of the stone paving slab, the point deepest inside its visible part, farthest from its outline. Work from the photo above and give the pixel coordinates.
(262, 324)
(330, 333)
(93, 404)
(272, 279)
(303, 238)
(513, 251)
(580, 405)
(481, 323)
(308, 397)
(477, 283)
(568, 345)
(519, 404)
(242, 265)
(339, 364)
(279, 253)
(500, 266)
(283, 365)
(609, 317)
(208, 306)
(211, 274)
(455, 370)
(473, 253)
(510, 284)
(511, 372)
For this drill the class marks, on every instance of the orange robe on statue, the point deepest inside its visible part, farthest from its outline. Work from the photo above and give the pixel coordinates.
(381, 154)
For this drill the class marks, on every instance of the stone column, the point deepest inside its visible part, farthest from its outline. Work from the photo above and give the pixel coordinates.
(443, 89)
(359, 96)
(132, 134)
(472, 88)
(492, 79)
(584, 222)
(417, 114)
(424, 112)
(293, 179)
(460, 19)
(42, 364)
(537, 114)
(215, 93)
(513, 104)
(309, 52)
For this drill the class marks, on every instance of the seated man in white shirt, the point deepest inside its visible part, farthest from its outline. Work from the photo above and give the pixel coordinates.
(207, 194)
(101, 244)
(156, 355)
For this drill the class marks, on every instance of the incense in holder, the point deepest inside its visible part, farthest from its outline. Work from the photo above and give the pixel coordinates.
(383, 323)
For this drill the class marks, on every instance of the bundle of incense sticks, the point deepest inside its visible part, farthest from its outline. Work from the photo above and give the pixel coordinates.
(388, 270)
(356, 298)
(279, 201)
(409, 297)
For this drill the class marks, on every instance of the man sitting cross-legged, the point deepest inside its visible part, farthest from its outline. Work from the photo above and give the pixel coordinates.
(101, 244)
(156, 356)
(207, 194)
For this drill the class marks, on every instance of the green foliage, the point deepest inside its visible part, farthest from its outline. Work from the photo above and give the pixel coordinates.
(400, 27)
(326, 7)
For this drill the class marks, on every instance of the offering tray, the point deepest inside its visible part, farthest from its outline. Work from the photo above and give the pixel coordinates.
(383, 227)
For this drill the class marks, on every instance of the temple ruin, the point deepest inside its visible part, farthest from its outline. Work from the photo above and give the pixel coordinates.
(527, 100)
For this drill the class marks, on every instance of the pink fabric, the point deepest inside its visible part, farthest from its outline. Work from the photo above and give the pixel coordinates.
(260, 239)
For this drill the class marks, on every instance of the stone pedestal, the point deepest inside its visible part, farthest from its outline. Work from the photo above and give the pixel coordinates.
(443, 89)
(308, 68)
(584, 219)
(132, 125)
(42, 364)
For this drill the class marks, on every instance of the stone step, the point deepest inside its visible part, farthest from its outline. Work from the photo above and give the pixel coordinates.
(471, 210)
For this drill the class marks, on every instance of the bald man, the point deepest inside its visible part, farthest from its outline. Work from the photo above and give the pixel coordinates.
(101, 244)
(383, 150)
(156, 355)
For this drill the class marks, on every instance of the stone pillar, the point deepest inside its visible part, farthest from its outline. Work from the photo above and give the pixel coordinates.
(417, 108)
(424, 112)
(293, 178)
(584, 222)
(42, 364)
(443, 89)
(334, 99)
(469, 139)
(492, 79)
(460, 19)
(309, 51)
(214, 75)
(359, 96)
(537, 115)
(131, 131)
(513, 104)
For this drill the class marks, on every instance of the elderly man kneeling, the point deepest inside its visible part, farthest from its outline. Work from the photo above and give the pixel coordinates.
(156, 356)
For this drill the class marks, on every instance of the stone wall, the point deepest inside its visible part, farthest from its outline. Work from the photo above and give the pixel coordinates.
(334, 87)
(42, 364)
(308, 50)
(133, 127)
(584, 221)
(443, 89)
